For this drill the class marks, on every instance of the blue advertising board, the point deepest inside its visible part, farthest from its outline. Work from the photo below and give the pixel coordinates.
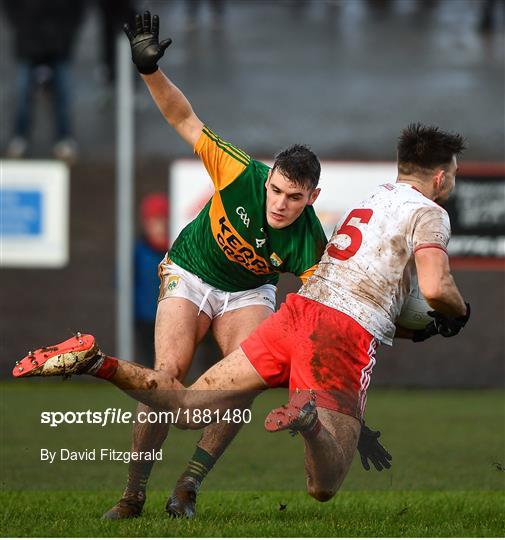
(20, 212)
(34, 212)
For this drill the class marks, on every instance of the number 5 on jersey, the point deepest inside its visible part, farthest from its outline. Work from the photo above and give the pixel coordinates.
(363, 215)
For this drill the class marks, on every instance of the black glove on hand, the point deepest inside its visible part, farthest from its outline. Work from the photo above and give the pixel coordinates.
(146, 51)
(371, 449)
(449, 326)
(423, 334)
(443, 325)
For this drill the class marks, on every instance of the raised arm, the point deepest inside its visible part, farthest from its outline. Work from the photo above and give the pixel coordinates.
(146, 51)
(174, 106)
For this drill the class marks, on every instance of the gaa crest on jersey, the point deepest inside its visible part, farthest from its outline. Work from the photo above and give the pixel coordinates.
(243, 215)
(275, 259)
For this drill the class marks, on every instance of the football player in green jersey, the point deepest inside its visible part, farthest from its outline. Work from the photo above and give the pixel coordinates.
(221, 272)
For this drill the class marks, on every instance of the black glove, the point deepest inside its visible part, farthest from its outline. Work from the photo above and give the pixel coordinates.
(423, 334)
(146, 51)
(371, 449)
(443, 325)
(449, 326)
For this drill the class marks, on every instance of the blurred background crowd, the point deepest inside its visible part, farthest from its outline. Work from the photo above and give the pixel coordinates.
(344, 76)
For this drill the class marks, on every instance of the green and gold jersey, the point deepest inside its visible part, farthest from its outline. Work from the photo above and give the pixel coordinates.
(230, 245)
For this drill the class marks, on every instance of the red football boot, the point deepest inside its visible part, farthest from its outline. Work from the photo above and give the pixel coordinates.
(299, 415)
(71, 357)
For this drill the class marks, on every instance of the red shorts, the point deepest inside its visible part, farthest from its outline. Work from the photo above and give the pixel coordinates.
(308, 345)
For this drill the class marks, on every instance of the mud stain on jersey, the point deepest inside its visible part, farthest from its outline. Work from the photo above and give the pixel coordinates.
(398, 247)
(318, 290)
(369, 292)
(432, 225)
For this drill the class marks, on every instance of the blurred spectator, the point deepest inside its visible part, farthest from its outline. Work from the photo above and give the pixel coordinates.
(216, 8)
(487, 22)
(150, 248)
(44, 35)
(113, 14)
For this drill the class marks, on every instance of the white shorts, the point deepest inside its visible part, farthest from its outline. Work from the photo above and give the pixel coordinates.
(175, 282)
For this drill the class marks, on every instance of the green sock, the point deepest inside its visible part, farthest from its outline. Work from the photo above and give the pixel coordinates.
(138, 475)
(199, 465)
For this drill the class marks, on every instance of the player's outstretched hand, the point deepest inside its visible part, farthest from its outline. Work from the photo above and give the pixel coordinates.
(449, 326)
(146, 50)
(371, 449)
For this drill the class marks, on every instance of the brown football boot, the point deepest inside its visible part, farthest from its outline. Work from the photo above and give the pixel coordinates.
(129, 506)
(182, 502)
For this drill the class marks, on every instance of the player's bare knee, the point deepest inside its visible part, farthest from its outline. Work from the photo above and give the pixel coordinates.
(321, 495)
(171, 371)
(323, 491)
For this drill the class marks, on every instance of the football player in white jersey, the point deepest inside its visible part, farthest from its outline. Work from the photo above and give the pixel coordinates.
(322, 341)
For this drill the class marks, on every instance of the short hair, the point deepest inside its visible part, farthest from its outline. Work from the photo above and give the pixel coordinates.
(299, 164)
(422, 148)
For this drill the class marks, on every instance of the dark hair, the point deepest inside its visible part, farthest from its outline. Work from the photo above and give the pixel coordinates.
(424, 148)
(299, 164)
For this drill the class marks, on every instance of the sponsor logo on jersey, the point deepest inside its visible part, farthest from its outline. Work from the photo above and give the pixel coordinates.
(260, 242)
(231, 243)
(275, 259)
(172, 282)
(243, 215)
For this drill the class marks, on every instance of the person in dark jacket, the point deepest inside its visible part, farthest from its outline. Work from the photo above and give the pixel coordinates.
(44, 33)
(150, 249)
(113, 14)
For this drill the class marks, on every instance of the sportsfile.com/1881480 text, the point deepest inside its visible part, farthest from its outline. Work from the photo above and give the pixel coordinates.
(111, 415)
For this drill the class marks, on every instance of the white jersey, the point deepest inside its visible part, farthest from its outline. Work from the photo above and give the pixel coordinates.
(367, 266)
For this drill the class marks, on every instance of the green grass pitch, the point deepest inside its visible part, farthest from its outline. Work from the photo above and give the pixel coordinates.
(447, 477)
